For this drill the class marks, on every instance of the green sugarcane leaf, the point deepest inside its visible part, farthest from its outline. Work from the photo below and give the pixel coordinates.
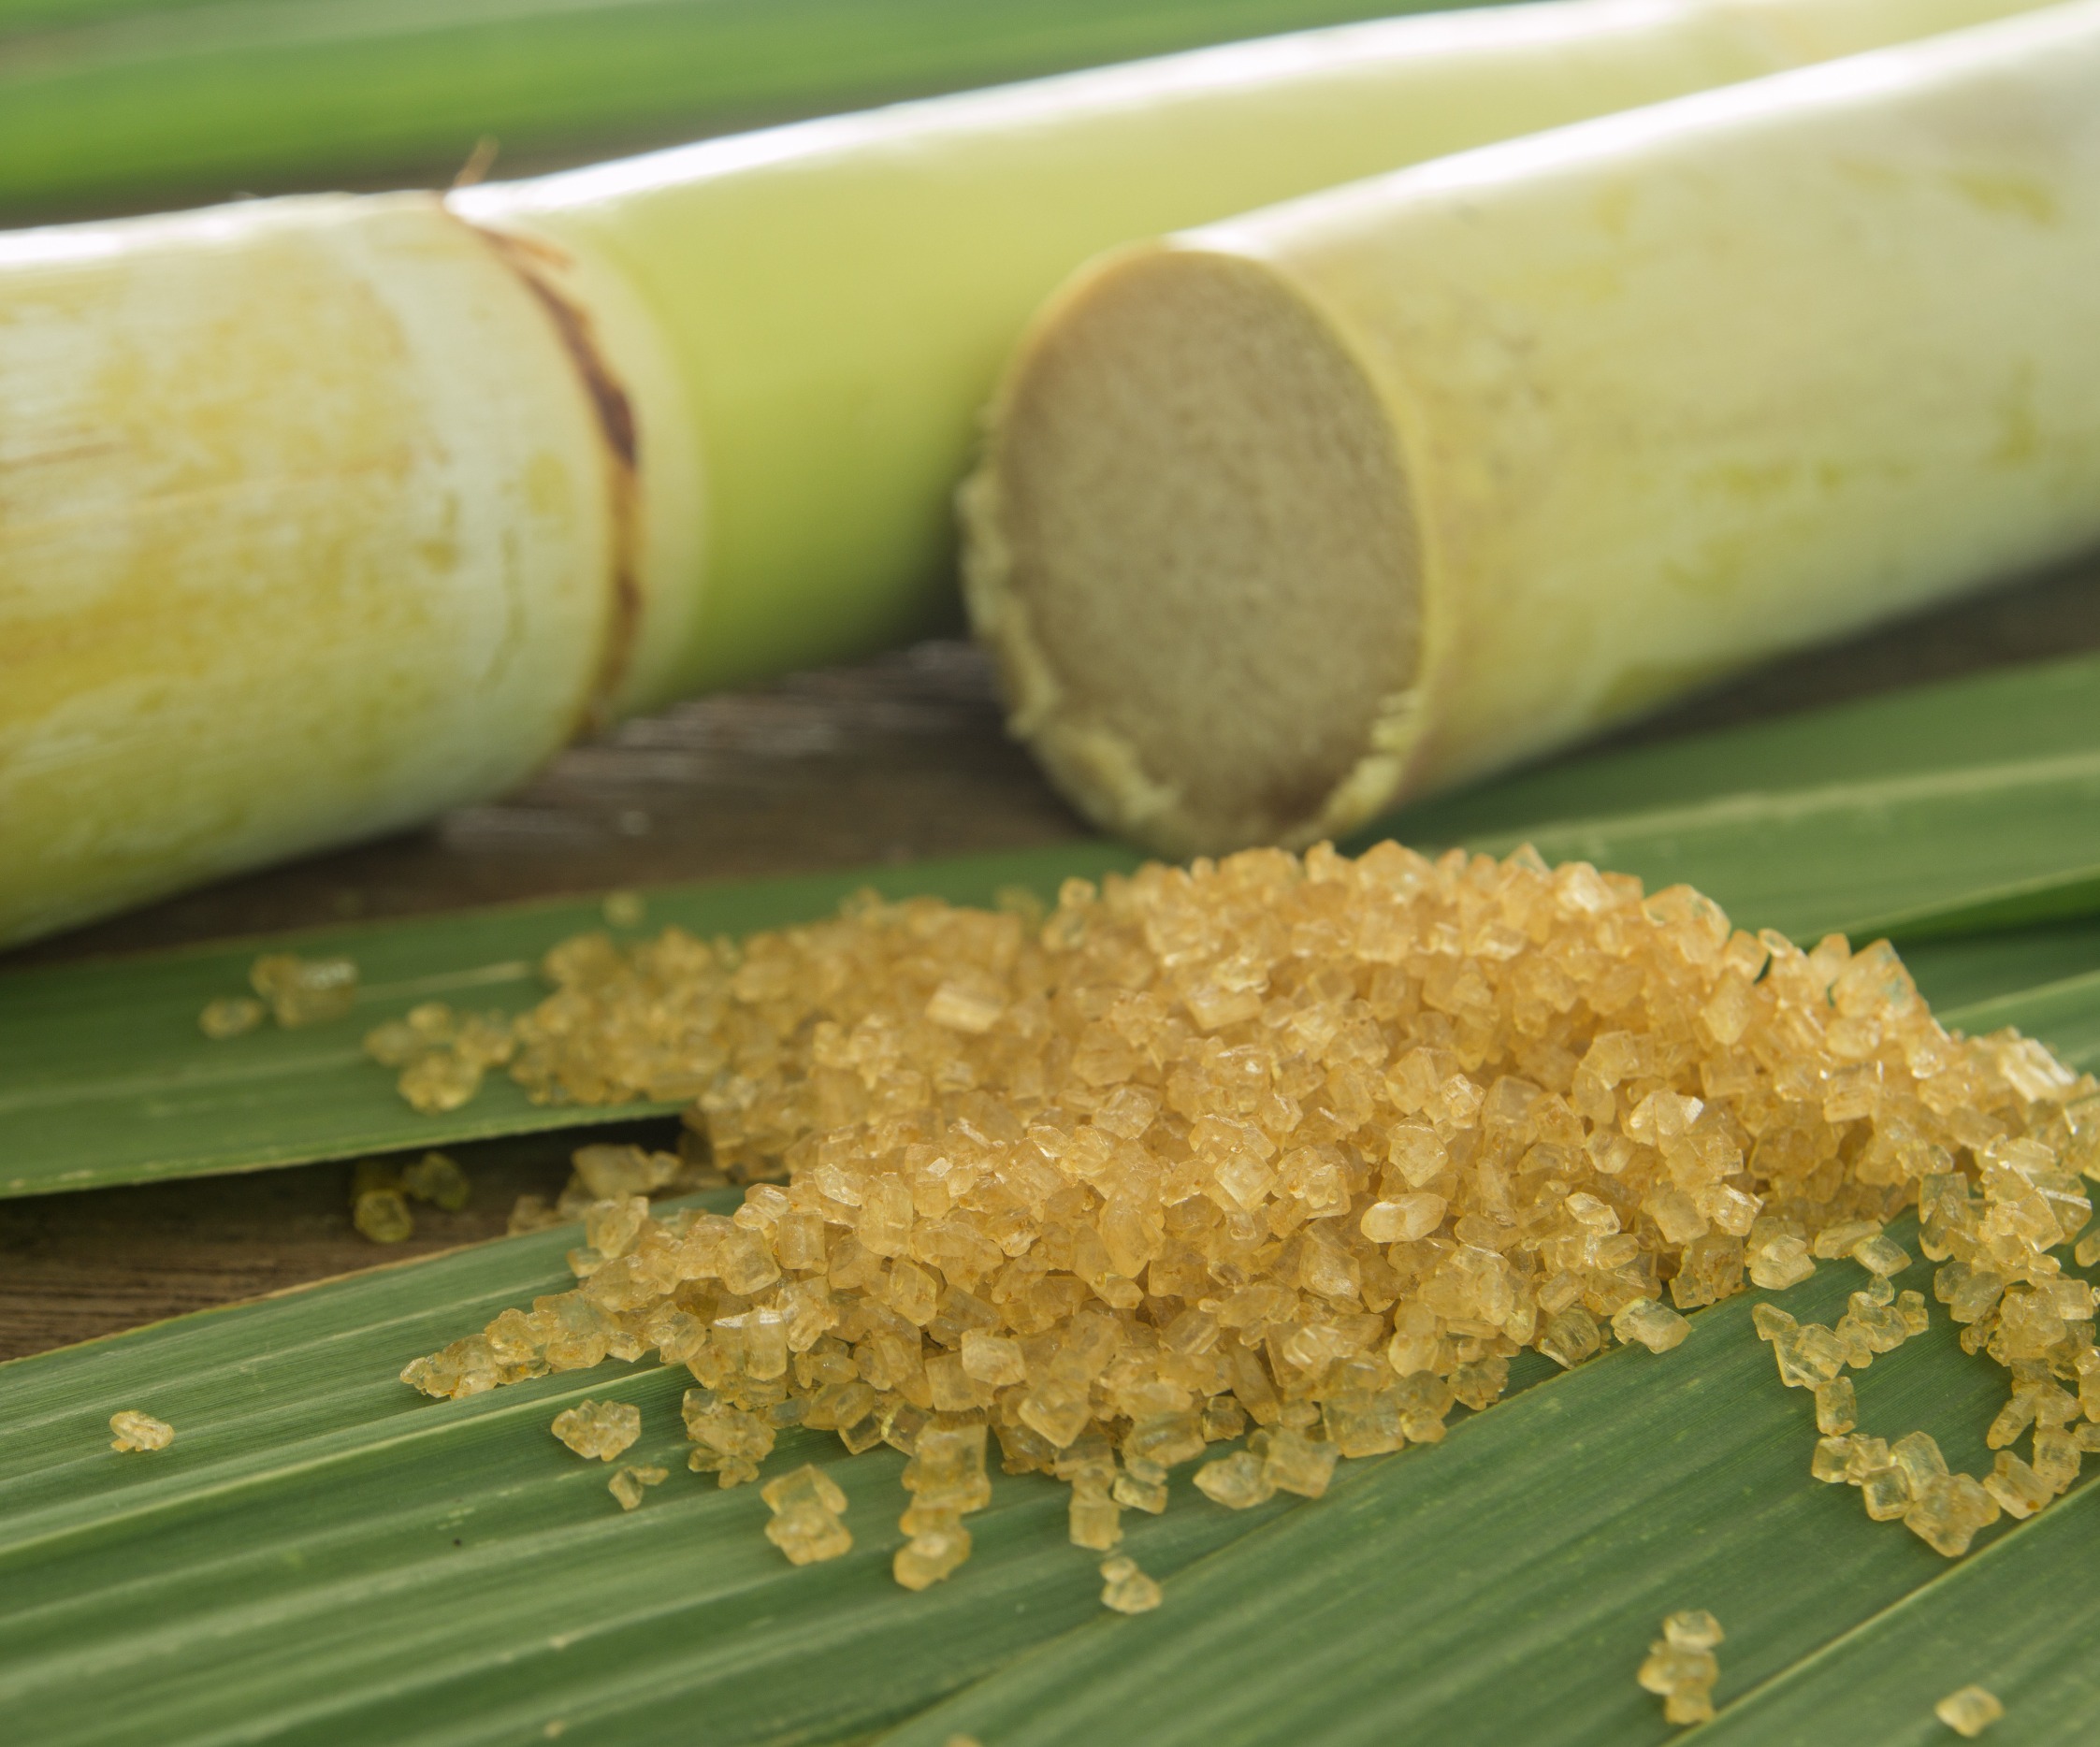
(2067, 1013)
(325, 1556)
(2016, 1619)
(1505, 1585)
(322, 1557)
(1939, 809)
(1969, 969)
(105, 1078)
(132, 104)
(2000, 716)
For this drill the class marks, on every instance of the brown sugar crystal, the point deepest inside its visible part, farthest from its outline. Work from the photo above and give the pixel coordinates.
(807, 1506)
(1313, 1146)
(1969, 1712)
(139, 1431)
(378, 1207)
(438, 1179)
(1681, 1666)
(628, 1484)
(304, 991)
(599, 1428)
(1125, 1588)
(231, 1016)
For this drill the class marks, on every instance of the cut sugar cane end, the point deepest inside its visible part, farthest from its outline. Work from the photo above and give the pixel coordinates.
(1284, 520)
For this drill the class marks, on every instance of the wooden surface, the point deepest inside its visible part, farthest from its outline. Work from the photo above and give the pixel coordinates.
(895, 760)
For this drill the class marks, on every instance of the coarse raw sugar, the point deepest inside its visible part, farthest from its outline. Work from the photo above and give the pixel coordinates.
(231, 1016)
(1681, 1666)
(806, 1505)
(1969, 1712)
(603, 1429)
(1126, 1589)
(1317, 1144)
(139, 1431)
(628, 1484)
(380, 1191)
(304, 991)
(294, 992)
(442, 1054)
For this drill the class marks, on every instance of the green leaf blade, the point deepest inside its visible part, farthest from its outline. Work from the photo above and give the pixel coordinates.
(1963, 806)
(2001, 716)
(150, 104)
(1504, 1587)
(1961, 970)
(2066, 1013)
(323, 1555)
(2015, 1619)
(105, 1077)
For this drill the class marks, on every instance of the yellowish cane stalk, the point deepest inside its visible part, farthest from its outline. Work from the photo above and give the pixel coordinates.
(317, 516)
(305, 523)
(1291, 517)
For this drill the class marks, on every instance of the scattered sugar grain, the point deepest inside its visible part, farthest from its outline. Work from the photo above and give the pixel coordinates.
(601, 1429)
(1885, 1493)
(1681, 1668)
(1648, 1323)
(1126, 1589)
(381, 1215)
(1831, 1461)
(1881, 1255)
(139, 1431)
(231, 1016)
(1094, 1518)
(1239, 1481)
(442, 1054)
(1693, 1630)
(1292, 1463)
(1779, 1261)
(441, 1081)
(1838, 1407)
(1843, 1237)
(2019, 1490)
(1689, 1702)
(305, 991)
(1946, 1511)
(1969, 1711)
(1570, 1336)
(806, 1505)
(932, 1555)
(627, 1485)
(439, 1180)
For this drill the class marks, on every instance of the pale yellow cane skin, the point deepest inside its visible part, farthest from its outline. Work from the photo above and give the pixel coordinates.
(305, 528)
(840, 297)
(319, 516)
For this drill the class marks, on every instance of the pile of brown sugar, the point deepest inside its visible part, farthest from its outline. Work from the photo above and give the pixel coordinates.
(1315, 1146)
